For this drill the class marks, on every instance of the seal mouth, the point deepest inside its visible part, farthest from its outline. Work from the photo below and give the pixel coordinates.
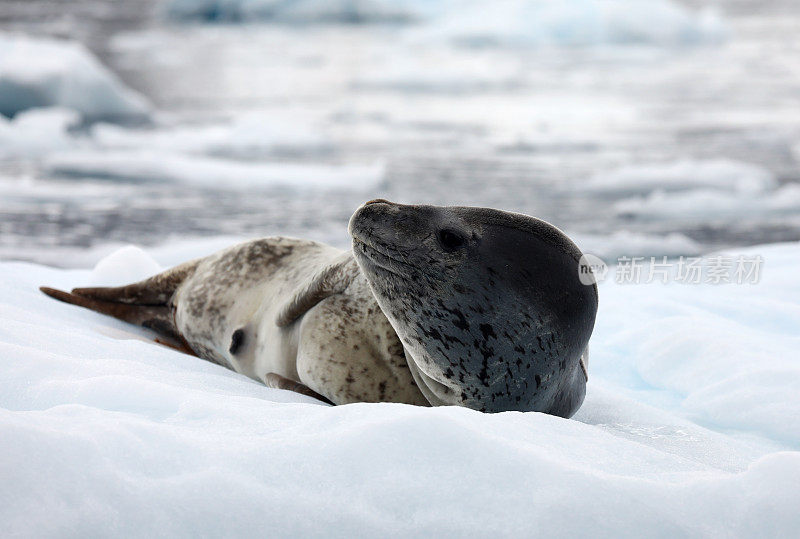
(378, 258)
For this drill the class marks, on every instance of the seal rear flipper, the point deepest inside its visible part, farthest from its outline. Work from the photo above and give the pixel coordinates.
(155, 290)
(155, 317)
(146, 303)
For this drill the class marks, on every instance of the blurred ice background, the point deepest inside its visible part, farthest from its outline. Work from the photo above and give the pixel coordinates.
(639, 126)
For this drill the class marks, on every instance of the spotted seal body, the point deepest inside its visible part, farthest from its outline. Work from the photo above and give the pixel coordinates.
(434, 305)
(342, 347)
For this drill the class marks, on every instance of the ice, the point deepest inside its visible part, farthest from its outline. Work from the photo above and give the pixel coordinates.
(509, 22)
(251, 135)
(721, 354)
(707, 204)
(44, 72)
(683, 175)
(689, 191)
(690, 427)
(303, 11)
(36, 131)
(166, 166)
(630, 243)
(581, 23)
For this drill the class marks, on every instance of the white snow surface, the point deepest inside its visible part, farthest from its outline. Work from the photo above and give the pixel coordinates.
(509, 22)
(44, 72)
(691, 426)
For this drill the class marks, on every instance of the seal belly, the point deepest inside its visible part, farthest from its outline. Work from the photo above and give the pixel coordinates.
(226, 310)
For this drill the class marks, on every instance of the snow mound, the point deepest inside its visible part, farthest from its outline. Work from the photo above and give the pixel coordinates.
(165, 166)
(690, 427)
(41, 72)
(127, 265)
(683, 175)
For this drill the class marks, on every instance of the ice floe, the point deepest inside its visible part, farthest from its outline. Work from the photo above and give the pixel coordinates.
(211, 172)
(469, 22)
(45, 72)
(690, 427)
(683, 175)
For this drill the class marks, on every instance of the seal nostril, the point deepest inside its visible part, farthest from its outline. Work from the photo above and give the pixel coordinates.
(376, 201)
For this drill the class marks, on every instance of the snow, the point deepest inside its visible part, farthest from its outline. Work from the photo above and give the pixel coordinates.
(691, 426)
(44, 72)
(468, 22)
(166, 166)
(124, 266)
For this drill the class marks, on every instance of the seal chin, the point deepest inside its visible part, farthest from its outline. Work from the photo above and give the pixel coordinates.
(434, 391)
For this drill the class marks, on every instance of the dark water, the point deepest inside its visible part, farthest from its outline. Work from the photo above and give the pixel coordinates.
(520, 129)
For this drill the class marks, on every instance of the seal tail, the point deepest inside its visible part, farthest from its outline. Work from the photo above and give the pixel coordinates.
(146, 303)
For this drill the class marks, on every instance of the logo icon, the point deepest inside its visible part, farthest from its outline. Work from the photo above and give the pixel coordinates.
(591, 269)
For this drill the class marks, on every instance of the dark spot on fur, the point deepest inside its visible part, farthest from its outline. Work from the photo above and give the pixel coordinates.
(237, 340)
(488, 331)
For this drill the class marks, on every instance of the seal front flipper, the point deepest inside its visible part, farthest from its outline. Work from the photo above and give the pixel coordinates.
(328, 281)
(147, 303)
(277, 381)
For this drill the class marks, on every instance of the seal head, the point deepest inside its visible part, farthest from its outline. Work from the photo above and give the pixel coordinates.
(488, 304)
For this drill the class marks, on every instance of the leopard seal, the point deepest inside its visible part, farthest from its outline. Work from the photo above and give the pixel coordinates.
(433, 305)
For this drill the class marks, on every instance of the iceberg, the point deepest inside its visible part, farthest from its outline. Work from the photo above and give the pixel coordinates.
(44, 72)
(37, 131)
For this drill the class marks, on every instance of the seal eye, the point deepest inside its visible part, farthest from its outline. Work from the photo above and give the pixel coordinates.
(451, 240)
